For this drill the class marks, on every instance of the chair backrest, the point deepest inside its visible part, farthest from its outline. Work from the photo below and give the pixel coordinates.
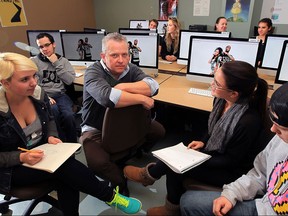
(125, 128)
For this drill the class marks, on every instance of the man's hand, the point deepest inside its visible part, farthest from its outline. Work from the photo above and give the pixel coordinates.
(221, 206)
(195, 145)
(148, 103)
(52, 101)
(52, 58)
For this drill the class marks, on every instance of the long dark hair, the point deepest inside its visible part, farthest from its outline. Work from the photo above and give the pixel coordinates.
(242, 77)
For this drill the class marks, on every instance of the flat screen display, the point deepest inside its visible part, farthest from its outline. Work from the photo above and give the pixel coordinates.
(184, 43)
(82, 46)
(282, 71)
(272, 51)
(148, 43)
(202, 49)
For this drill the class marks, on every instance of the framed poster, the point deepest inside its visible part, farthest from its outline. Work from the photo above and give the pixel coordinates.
(168, 8)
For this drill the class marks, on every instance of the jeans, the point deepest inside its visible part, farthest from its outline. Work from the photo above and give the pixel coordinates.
(201, 203)
(64, 118)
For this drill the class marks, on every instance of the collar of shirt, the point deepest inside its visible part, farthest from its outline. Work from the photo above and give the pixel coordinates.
(108, 71)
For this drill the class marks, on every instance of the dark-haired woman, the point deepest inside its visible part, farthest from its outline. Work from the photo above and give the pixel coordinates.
(234, 125)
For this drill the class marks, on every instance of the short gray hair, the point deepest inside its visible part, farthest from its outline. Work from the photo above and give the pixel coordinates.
(112, 36)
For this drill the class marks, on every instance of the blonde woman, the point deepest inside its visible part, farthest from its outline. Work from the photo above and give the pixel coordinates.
(26, 121)
(170, 44)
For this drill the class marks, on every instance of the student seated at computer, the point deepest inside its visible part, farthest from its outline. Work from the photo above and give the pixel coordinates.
(170, 43)
(264, 28)
(153, 24)
(234, 125)
(263, 190)
(220, 24)
(54, 72)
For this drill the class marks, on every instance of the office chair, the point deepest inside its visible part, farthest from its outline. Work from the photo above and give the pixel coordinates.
(36, 193)
(124, 130)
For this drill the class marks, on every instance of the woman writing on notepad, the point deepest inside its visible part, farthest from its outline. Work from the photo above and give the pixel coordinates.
(26, 121)
(234, 125)
(170, 44)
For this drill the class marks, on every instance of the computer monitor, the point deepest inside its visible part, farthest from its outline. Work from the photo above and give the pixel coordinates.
(148, 43)
(162, 25)
(92, 29)
(184, 40)
(282, 71)
(136, 31)
(139, 24)
(272, 51)
(32, 34)
(78, 53)
(202, 48)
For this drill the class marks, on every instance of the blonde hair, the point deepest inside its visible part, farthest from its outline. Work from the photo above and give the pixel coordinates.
(168, 37)
(10, 62)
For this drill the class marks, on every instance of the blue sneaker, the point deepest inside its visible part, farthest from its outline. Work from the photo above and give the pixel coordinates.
(126, 204)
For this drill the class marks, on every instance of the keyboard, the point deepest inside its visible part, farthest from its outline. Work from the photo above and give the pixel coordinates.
(202, 92)
(165, 62)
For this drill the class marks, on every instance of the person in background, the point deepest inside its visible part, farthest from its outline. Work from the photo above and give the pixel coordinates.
(220, 24)
(234, 125)
(214, 62)
(264, 28)
(87, 50)
(80, 49)
(263, 190)
(26, 121)
(153, 24)
(135, 57)
(113, 82)
(54, 73)
(170, 44)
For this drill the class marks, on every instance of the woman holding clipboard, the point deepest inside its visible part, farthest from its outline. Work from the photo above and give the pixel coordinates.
(26, 121)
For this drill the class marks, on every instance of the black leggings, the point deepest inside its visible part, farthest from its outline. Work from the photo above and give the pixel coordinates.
(72, 177)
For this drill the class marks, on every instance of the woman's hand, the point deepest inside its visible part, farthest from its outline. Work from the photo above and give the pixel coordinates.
(195, 145)
(54, 140)
(32, 157)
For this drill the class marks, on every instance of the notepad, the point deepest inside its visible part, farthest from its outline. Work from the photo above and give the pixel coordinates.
(54, 155)
(179, 158)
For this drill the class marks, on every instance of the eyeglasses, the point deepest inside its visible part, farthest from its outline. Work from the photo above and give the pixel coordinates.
(217, 86)
(44, 45)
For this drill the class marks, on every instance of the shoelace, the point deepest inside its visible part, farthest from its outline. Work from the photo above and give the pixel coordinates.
(120, 199)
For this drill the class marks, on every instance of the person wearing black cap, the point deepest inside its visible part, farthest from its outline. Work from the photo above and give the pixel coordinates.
(264, 189)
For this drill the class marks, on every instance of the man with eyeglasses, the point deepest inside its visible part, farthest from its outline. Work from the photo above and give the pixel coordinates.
(55, 75)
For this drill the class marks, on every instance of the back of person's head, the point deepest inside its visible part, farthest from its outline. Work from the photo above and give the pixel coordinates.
(10, 62)
(218, 21)
(44, 34)
(279, 105)
(242, 77)
(115, 36)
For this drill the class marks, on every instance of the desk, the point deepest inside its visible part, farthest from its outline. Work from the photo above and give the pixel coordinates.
(175, 91)
(169, 68)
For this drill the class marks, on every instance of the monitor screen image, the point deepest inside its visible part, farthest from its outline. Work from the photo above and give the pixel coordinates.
(184, 42)
(148, 43)
(82, 46)
(201, 65)
(31, 36)
(282, 71)
(139, 24)
(162, 25)
(272, 51)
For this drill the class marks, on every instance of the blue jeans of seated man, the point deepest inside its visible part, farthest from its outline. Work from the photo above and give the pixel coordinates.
(201, 203)
(64, 117)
